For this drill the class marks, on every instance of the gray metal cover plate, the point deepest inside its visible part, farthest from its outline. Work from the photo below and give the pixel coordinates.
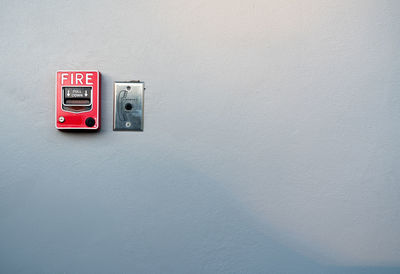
(128, 105)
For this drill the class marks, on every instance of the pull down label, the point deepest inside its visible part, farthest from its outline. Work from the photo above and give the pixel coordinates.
(77, 92)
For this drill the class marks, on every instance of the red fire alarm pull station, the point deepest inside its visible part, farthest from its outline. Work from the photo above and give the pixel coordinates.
(78, 99)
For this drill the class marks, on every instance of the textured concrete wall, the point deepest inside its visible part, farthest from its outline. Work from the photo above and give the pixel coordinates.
(271, 139)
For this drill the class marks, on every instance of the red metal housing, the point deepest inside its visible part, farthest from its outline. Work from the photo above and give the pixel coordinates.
(78, 99)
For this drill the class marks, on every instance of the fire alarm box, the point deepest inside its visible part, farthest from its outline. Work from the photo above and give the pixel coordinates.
(78, 99)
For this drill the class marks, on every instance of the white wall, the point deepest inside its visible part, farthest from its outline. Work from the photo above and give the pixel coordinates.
(271, 139)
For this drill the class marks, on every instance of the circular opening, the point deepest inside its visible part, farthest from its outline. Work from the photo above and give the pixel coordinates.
(128, 106)
(90, 122)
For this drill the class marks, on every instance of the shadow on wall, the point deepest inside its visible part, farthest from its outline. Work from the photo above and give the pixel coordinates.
(154, 216)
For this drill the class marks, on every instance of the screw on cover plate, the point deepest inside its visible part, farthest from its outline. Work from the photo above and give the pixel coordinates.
(128, 124)
(61, 119)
